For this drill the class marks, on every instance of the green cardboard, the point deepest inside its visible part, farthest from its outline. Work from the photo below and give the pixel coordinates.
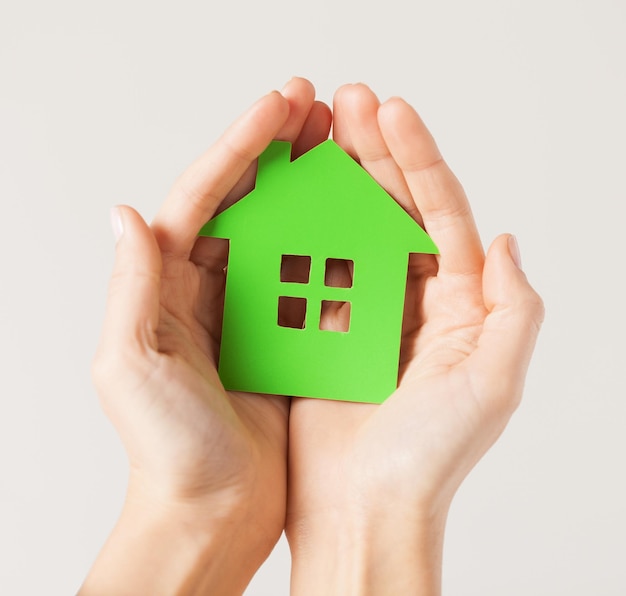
(321, 207)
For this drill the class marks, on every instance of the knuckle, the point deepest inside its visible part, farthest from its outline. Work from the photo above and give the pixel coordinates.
(533, 308)
(116, 372)
(508, 396)
(195, 196)
(109, 366)
(239, 152)
(105, 366)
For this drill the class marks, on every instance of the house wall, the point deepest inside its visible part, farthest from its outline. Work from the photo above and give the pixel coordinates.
(258, 355)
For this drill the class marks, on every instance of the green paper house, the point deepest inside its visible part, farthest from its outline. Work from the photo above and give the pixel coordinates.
(303, 218)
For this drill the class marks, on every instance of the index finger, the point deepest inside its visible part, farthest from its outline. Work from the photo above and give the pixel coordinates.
(197, 193)
(437, 193)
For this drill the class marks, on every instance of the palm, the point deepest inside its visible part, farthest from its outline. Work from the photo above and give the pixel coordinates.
(427, 435)
(206, 437)
(185, 435)
(245, 432)
(420, 431)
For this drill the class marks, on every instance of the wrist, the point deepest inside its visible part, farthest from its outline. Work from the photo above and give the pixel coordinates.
(363, 550)
(168, 547)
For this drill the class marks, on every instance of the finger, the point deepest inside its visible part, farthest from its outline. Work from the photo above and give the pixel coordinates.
(315, 129)
(357, 106)
(307, 125)
(211, 255)
(498, 366)
(300, 95)
(196, 195)
(341, 130)
(437, 193)
(132, 309)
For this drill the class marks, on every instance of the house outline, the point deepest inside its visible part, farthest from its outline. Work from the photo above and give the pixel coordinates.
(322, 205)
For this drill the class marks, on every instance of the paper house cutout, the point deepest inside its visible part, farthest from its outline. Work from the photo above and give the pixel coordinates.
(319, 207)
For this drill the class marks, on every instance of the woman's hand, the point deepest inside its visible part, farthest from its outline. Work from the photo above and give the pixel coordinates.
(207, 490)
(370, 485)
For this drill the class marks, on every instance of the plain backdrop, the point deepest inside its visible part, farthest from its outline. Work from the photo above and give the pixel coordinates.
(107, 102)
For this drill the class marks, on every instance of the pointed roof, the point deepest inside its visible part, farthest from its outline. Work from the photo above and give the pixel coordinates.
(322, 198)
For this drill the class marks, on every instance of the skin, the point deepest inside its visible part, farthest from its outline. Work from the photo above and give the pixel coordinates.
(370, 486)
(208, 494)
(207, 488)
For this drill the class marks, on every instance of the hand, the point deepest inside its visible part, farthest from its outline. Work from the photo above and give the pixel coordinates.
(370, 485)
(207, 467)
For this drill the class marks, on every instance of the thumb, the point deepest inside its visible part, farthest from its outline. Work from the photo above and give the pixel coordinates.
(132, 309)
(498, 366)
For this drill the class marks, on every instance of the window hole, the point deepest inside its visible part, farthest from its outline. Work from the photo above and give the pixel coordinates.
(339, 273)
(295, 269)
(335, 316)
(291, 312)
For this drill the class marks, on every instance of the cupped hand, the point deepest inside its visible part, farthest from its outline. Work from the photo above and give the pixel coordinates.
(469, 329)
(190, 442)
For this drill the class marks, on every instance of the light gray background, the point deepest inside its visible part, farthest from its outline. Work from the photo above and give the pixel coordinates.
(105, 103)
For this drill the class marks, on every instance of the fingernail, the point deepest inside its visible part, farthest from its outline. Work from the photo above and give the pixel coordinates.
(514, 251)
(116, 223)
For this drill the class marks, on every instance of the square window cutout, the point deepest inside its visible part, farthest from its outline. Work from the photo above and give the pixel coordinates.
(339, 273)
(335, 316)
(295, 269)
(291, 312)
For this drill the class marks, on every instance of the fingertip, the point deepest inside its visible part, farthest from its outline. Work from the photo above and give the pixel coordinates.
(123, 217)
(504, 282)
(504, 248)
(323, 109)
(341, 91)
(315, 129)
(355, 125)
(500, 272)
(397, 101)
(135, 240)
(398, 116)
(300, 96)
(342, 97)
(297, 85)
(391, 108)
(353, 94)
